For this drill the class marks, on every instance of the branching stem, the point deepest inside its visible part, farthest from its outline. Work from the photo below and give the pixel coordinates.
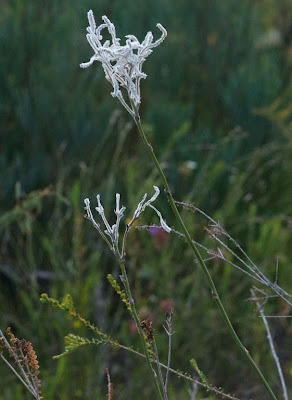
(271, 343)
(207, 274)
(121, 261)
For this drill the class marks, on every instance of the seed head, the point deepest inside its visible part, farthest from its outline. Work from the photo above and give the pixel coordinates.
(122, 64)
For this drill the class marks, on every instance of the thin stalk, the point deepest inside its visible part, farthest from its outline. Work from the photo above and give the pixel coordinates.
(169, 334)
(121, 261)
(17, 360)
(260, 308)
(180, 374)
(16, 373)
(212, 286)
(164, 389)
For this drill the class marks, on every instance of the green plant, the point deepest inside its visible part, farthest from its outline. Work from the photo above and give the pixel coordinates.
(216, 148)
(123, 69)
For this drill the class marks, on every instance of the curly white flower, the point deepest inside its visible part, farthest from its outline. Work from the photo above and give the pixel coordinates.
(122, 64)
(113, 231)
(143, 204)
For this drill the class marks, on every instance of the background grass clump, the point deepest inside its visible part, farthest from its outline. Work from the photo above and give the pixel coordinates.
(217, 106)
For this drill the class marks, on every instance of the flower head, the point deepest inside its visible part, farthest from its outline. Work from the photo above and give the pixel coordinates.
(113, 231)
(143, 204)
(122, 64)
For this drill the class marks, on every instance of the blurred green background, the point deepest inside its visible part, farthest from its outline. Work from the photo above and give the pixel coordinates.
(217, 108)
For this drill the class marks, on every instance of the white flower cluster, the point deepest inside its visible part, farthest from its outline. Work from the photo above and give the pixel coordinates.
(122, 64)
(143, 204)
(113, 231)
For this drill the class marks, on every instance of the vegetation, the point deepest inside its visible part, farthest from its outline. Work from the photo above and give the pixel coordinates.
(217, 109)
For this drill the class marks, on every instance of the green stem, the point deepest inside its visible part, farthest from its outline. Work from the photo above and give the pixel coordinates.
(121, 261)
(212, 286)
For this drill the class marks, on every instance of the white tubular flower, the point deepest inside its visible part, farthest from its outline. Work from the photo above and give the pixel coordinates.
(119, 213)
(162, 222)
(111, 231)
(122, 64)
(143, 204)
(90, 216)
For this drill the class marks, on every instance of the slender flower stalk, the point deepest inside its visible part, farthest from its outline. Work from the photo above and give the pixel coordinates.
(121, 261)
(123, 69)
(207, 274)
(113, 242)
(260, 307)
(169, 332)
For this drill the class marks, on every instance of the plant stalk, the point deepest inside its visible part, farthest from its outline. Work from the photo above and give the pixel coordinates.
(121, 261)
(212, 286)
